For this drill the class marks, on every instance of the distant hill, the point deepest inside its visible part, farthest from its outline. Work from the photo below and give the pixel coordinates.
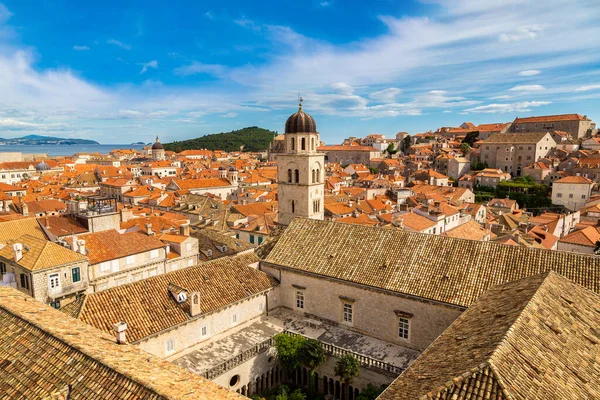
(39, 139)
(252, 138)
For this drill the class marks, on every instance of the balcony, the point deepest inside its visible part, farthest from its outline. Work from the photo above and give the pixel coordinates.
(66, 290)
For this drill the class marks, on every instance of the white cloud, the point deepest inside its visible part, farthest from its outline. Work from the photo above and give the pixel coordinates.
(501, 97)
(587, 88)
(119, 44)
(13, 124)
(209, 15)
(522, 33)
(80, 48)
(325, 3)
(229, 115)
(131, 114)
(200, 68)
(505, 108)
(526, 88)
(386, 95)
(150, 64)
(5, 14)
(342, 88)
(530, 72)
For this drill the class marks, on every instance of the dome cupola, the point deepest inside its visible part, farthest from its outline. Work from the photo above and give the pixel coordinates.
(300, 122)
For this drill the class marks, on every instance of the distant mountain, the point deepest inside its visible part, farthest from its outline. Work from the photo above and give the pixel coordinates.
(39, 140)
(251, 138)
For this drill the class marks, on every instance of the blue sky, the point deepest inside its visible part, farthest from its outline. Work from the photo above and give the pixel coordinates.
(120, 72)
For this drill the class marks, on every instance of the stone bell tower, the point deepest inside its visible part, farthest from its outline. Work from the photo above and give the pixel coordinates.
(300, 170)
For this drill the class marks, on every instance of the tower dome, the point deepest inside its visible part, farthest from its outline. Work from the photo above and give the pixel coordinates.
(42, 166)
(300, 122)
(157, 145)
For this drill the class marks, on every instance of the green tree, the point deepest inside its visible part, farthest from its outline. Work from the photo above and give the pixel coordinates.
(371, 392)
(312, 355)
(297, 395)
(289, 350)
(406, 143)
(597, 247)
(465, 148)
(471, 138)
(391, 149)
(347, 368)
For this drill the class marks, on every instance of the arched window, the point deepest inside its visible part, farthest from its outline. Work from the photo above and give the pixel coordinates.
(289, 175)
(293, 144)
(314, 175)
(318, 175)
(312, 141)
(297, 173)
(293, 206)
(303, 143)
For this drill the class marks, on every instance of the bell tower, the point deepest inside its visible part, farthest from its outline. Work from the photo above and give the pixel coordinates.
(300, 170)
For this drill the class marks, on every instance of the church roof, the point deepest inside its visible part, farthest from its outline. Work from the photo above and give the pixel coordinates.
(445, 269)
(300, 122)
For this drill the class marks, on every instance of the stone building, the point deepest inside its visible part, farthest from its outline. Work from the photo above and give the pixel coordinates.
(576, 125)
(572, 192)
(158, 151)
(511, 152)
(300, 170)
(350, 154)
(44, 270)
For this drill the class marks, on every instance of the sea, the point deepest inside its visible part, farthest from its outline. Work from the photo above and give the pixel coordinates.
(66, 149)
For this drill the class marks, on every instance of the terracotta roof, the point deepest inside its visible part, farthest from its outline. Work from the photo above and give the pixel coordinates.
(515, 138)
(415, 221)
(575, 180)
(257, 208)
(109, 245)
(62, 225)
(151, 308)
(48, 355)
(40, 254)
(440, 268)
(347, 148)
(15, 228)
(535, 338)
(585, 237)
(470, 230)
(201, 183)
(551, 118)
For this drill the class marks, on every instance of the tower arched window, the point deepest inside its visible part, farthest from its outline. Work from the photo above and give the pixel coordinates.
(293, 144)
(312, 144)
(293, 206)
(297, 175)
(303, 144)
(318, 175)
(314, 175)
(289, 175)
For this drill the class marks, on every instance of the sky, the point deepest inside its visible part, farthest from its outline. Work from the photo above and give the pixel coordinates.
(126, 71)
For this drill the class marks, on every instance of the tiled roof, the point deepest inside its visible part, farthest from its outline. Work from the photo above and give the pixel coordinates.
(201, 183)
(25, 226)
(347, 148)
(46, 354)
(515, 138)
(584, 237)
(40, 254)
(62, 225)
(575, 180)
(109, 245)
(535, 338)
(445, 269)
(470, 230)
(151, 308)
(551, 118)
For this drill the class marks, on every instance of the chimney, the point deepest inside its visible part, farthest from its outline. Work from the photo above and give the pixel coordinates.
(148, 227)
(195, 304)
(47, 222)
(184, 230)
(18, 249)
(120, 328)
(167, 249)
(24, 209)
(81, 245)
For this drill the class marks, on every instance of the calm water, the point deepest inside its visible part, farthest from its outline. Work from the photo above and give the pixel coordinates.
(67, 150)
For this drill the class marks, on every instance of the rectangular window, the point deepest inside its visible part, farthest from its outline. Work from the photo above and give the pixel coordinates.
(169, 346)
(2, 268)
(570, 195)
(204, 331)
(583, 196)
(55, 304)
(154, 254)
(54, 282)
(347, 312)
(234, 319)
(105, 266)
(251, 239)
(299, 299)
(260, 239)
(76, 274)
(25, 281)
(114, 266)
(558, 194)
(129, 260)
(403, 328)
(260, 307)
